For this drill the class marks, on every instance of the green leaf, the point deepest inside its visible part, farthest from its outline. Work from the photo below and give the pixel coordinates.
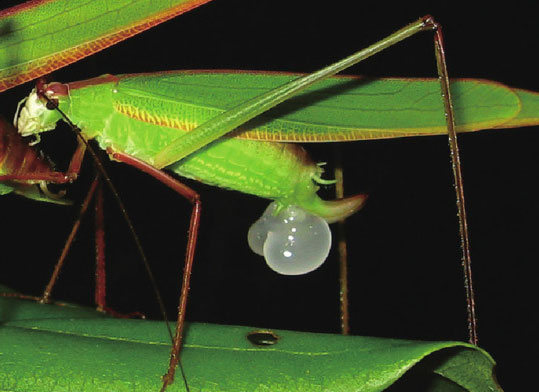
(71, 348)
(38, 37)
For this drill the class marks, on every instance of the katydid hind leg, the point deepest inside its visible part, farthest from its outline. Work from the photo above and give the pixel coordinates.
(459, 190)
(458, 181)
(342, 250)
(226, 122)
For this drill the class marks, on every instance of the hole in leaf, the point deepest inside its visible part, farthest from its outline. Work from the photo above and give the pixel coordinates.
(263, 337)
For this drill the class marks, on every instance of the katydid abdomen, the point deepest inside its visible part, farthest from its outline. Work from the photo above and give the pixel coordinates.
(140, 116)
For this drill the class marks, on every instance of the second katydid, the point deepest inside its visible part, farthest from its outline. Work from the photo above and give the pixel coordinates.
(118, 103)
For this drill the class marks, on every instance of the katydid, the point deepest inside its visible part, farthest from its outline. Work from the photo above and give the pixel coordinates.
(125, 118)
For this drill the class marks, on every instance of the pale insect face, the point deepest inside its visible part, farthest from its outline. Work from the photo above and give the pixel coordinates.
(33, 116)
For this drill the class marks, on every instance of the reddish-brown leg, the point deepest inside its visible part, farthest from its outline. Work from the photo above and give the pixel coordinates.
(23, 169)
(100, 295)
(27, 169)
(194, 224)
(45, 298)
(458, 180)
(100, 274)
(46, 174)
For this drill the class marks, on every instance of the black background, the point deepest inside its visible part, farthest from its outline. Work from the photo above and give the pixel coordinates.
(404, 255)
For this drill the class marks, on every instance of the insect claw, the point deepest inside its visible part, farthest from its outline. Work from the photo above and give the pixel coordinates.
(37, 139)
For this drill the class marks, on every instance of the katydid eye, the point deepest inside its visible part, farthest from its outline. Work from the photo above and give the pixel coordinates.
(51, 104)
(293, 242)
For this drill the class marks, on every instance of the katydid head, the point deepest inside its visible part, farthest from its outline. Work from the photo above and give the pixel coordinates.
(36, 113)
(293, 241)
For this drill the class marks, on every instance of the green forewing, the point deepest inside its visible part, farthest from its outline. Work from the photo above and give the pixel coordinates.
(40, 36)
(128, 120)
(47, 347)
(339, 109)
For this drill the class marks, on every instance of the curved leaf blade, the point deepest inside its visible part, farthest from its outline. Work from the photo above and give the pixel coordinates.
(73, 348)
(41, 36)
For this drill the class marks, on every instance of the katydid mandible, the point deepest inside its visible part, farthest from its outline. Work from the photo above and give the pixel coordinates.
(113, 126)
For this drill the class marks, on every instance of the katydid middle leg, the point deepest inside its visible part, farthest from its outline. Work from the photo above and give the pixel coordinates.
(194, 225)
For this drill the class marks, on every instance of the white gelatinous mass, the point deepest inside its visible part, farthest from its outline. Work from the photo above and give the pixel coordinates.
(293, 242)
